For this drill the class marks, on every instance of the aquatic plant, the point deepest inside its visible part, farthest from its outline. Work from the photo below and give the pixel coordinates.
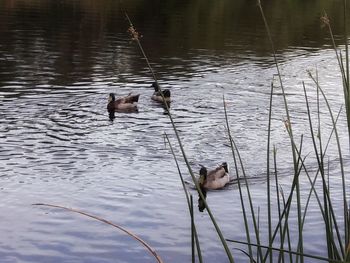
(135, 37)
(336, 242)
(279, 246)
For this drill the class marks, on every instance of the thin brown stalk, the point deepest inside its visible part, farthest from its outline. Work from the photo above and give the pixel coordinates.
(135, 36)
(148, 247)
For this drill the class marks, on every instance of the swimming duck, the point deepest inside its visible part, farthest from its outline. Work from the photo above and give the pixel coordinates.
(125, 104)
(157, 95)
(215, 179)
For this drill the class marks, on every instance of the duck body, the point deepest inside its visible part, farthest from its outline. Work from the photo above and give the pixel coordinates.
(124, 104)
(157, 95)
(214, 179)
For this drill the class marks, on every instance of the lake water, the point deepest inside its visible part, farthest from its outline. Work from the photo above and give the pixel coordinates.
(59, 60)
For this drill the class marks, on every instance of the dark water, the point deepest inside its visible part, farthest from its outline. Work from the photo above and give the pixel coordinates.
(60, 59)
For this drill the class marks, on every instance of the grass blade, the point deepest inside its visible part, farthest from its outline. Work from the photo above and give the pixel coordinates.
(268, 172)
(288, 251)
(189, 202)
(192, 230)
(345, 204)
(327, 201)
(235, 149)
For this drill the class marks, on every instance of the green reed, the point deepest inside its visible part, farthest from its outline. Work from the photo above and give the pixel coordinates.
(268, 169)
(313, 190)
(344, 69)
(290, 251)
(337, 247)
(194, 235)
(337, 243)
(287, 230)
(235, 151)
(290, 132)
(345, 207)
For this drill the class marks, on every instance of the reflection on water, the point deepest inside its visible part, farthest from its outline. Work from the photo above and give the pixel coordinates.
(71, 41)
(59, 60)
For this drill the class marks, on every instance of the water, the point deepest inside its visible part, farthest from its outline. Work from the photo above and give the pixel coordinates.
(59, 61)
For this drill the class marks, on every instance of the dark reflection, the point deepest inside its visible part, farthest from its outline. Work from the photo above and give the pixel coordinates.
(166, 107)
(111, 115)
(61, 42)
(201, 205)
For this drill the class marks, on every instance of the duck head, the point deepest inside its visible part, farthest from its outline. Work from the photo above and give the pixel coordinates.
(155, 86)
(166, 93)
(203, 174)
(111, 97)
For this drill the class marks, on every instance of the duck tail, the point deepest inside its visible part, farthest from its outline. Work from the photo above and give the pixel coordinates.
(134, 98)
(166, 93)
(224, 164)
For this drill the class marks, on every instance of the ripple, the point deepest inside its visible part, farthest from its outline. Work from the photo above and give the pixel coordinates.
(59, 146)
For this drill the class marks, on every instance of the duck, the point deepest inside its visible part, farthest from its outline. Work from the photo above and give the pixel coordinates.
(157, 95)
(212, 180)
(124, 104)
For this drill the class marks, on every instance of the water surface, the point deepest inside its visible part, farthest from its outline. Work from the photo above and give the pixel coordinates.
(60, 59)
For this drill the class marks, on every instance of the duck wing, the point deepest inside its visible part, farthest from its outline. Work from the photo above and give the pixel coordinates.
(166, 93)
(156, 93)
(217, 184)
(216, 174)
(217, 178)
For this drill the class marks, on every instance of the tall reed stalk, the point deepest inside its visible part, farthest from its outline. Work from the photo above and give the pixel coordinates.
(189, 203)
(338, 246)
(328, 215)
(135, 36)
(319, 157)
(289, 129)
(234, 150)
(344, 69)
(268, 172)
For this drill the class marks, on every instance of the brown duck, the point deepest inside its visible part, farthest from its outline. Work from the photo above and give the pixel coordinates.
(212, 180)
(124, 104)
(157, 94)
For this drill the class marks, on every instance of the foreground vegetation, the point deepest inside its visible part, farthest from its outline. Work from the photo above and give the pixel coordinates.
(279, 245)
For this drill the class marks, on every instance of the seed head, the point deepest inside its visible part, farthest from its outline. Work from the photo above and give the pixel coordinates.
(287, 124)
(135, 36)
(324, 20)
